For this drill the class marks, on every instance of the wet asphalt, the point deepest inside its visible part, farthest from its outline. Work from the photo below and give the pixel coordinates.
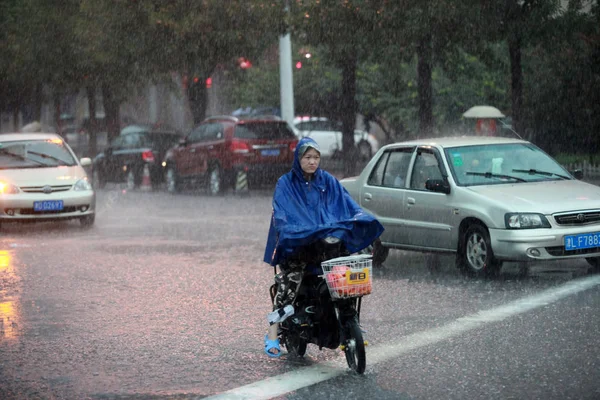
(166, 296)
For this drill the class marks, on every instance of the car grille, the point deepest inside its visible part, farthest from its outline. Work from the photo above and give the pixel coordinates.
(40, 189)
(559, 251)
(68, 209)
(578, 218)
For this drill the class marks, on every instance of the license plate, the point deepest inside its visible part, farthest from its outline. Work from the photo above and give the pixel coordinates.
(583, 241)
(48, 205)
(270, 152)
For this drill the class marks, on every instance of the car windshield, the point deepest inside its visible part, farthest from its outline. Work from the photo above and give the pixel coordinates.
(35, 154)
(260, 130)
(502, 163)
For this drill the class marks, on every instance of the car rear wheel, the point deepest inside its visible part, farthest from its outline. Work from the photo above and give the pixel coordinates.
(594, 263)
(215, 180)
(131, 181)
(380, 253)
(172, 180)
(475, 256)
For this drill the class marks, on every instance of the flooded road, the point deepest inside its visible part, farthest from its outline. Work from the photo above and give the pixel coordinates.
(166, 297)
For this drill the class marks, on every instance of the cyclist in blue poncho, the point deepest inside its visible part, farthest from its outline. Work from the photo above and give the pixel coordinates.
(309, 204)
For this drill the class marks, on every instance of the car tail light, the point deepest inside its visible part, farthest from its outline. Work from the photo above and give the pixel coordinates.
(293, 146)
(148, 156)
(238, 146)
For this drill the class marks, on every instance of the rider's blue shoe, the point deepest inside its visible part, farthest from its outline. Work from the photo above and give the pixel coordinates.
(271, 345)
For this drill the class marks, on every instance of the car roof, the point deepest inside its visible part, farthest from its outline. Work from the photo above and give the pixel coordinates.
(305, 118)
(15, 136)
(242, 119)
(456, 141)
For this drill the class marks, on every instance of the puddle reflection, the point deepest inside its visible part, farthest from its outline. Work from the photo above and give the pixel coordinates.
(9, 316)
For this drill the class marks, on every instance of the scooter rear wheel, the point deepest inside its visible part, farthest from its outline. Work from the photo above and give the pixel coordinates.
(354, 347)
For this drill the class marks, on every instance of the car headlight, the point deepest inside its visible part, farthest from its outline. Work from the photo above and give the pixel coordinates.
(8, 188)
(525, 221)
(83, 184)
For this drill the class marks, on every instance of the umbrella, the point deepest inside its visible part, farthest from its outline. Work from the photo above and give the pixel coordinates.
(483, 112)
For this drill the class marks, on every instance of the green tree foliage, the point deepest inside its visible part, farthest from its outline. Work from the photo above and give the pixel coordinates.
(36, 52)
(562, 91)
(196, 37)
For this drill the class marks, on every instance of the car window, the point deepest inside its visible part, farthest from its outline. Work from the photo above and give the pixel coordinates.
(324, 125)
(163, 140)
(425, 167)
(35, 154)
(502, 163)
(213, 132)
(262, 130)
(396, 172)
(304, 126)
(117, 143)
(131, 141)
(197, 134)
(376, 177)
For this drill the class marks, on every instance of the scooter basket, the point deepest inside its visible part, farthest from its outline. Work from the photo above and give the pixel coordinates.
(348, 276)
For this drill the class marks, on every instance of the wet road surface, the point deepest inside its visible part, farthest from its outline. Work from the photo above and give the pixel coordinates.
(166, 296)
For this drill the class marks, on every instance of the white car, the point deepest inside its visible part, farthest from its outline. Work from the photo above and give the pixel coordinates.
(329, 136)
(41, 179)
(485, 199)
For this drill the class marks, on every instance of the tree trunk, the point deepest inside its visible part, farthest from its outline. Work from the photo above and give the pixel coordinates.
(38, 100)
(198, 98)
(111, 109)
(93, 133)
(424, 61)
(516, 72)
(349, 109)
(15, 118)
(56, 108)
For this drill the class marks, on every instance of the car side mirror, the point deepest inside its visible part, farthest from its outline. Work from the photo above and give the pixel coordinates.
(85, 161)
(437, 185)
(577, 173)
(183, 142)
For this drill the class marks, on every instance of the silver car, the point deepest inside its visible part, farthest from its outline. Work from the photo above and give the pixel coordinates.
(486, 199)
(41, 179)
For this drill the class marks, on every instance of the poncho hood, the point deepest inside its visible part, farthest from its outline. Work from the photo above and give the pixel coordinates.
(308, 210)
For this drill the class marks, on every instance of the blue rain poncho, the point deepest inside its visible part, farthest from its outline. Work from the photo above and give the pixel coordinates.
(306, 211)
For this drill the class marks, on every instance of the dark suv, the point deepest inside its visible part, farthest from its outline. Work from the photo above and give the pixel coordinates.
(221, 148)
(127, 155)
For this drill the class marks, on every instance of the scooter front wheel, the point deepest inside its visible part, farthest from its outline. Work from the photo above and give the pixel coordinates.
(354, 347)
(295, 345)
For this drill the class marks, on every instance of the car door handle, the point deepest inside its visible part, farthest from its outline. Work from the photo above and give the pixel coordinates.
(211, 147)
(410, 201)
(192, 150)
(368, 196)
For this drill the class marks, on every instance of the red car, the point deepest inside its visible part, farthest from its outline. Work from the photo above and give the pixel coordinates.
(224, 148)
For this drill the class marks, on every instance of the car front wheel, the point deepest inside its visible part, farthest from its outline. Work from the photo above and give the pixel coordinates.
(594, 263)
(87, 221)
(172, 180)
(475, 256)
(215, 181)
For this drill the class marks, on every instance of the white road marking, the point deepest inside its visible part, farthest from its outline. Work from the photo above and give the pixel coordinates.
(294, 380)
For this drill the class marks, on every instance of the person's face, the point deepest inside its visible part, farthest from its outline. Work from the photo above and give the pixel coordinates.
(310, 161)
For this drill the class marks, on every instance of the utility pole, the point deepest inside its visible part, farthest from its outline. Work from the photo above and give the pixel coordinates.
(285, 74)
